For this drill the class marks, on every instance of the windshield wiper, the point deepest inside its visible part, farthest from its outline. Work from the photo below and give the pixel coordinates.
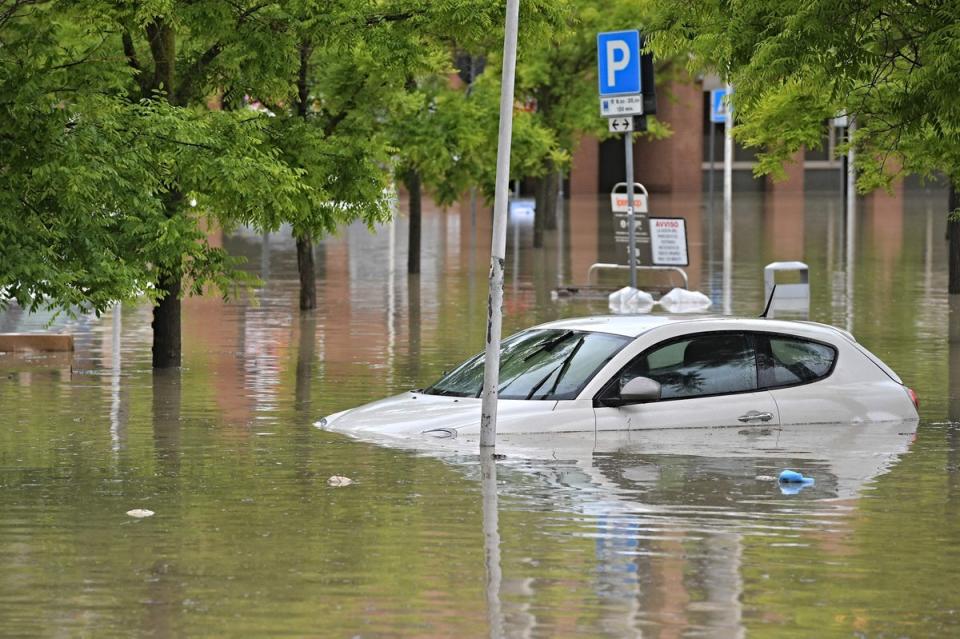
(544, 380)
(562, 367)
(549, 344)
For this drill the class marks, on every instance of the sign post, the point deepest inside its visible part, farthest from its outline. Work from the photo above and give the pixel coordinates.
(718, 115)
(621, 94)
(631, 227)
(851, 221)
(728, 206)
(498, 245)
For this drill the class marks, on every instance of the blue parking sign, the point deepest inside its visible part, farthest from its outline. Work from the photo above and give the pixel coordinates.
(618, 57)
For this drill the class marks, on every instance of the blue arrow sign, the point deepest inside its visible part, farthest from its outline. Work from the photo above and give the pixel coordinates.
(719, 105)
(618, 59)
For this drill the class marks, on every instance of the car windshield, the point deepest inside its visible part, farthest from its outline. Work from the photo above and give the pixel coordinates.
(537, 364)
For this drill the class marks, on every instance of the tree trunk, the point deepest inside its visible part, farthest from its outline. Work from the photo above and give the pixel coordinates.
(308, 276)
(553, 191)
(163, 48)
(413, 249)
(166, 314)
(545, 211)
(166, 323)
(953, 234)
(541, 185)
(305, 266)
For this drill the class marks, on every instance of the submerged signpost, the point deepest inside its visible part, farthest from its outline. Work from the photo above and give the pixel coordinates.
(621, 98)
(718, 115)
(498, 244)
(728, 205)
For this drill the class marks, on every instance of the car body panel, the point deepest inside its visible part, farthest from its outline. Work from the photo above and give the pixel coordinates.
(857, 390)
(628, 325)
(416, 413)
(743, 410)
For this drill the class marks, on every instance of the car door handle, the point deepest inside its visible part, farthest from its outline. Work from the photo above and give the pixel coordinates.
(755, 416)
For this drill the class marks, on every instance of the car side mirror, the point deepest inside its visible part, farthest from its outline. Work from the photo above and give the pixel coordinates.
(639, 390)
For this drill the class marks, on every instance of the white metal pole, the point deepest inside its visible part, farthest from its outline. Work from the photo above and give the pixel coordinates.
(851, 231)
(498, 244)
(491, 542)
(115, 378)
(631, 216)
(560, 231)
(728, 206)
(392, 290)
(710, 206)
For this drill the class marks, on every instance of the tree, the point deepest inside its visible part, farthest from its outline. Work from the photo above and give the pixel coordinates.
(355, 64)
(438, 143)
(62, 207)
(440, 129)
(102, 164)
(328, 112)
(112, 165)
(893, 66)
(372, 100)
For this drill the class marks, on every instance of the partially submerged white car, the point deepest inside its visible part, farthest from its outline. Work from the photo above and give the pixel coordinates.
(631, 373)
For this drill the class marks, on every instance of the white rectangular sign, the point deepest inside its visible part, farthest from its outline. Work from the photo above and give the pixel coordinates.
(620, 125)
(621, 105)
(618, 202)
(668, 241)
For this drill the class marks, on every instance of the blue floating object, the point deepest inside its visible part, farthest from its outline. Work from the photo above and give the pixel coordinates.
(793, 477)
(792, 482)
(790, 476)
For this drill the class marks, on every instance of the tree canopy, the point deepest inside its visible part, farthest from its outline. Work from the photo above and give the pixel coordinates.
(894, 66)
(112, 164)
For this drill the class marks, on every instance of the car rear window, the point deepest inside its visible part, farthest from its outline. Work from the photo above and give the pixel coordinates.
(787, 361)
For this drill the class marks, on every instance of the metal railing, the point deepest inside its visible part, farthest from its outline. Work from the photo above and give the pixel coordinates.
(624, 267)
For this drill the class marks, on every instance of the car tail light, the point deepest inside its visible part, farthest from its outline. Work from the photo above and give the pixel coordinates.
(913, 398)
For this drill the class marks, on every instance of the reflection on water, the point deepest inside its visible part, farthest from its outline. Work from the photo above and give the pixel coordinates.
(645, 537)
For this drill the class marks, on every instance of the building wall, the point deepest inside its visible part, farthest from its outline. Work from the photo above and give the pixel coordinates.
(670, 164)
(674, 163)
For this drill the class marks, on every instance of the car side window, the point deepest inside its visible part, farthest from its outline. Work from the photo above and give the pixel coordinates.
(786, 361)
(698, 365)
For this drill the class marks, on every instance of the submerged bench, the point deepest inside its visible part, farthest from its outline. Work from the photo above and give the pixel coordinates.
(34, 342)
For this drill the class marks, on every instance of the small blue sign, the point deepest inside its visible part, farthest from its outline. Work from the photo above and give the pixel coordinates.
(719, 105)
(618, 59)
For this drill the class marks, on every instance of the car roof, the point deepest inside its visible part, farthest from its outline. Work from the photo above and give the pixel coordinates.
(635, 325)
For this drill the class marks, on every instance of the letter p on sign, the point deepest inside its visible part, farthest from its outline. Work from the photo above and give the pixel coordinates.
(613, 63)
(618, 58)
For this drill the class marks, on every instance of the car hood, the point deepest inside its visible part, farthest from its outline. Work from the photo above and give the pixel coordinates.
(414, 413)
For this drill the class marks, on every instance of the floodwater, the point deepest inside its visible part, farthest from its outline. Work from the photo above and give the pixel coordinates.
(658, 539)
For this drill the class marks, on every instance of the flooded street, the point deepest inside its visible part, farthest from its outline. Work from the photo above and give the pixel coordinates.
(659, 538)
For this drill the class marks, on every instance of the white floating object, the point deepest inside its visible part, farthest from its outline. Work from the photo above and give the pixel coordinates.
(680, 300)
(140, 513)
(630, 300)
(338, 481)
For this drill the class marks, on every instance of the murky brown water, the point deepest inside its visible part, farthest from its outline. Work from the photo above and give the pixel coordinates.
(661, 540)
